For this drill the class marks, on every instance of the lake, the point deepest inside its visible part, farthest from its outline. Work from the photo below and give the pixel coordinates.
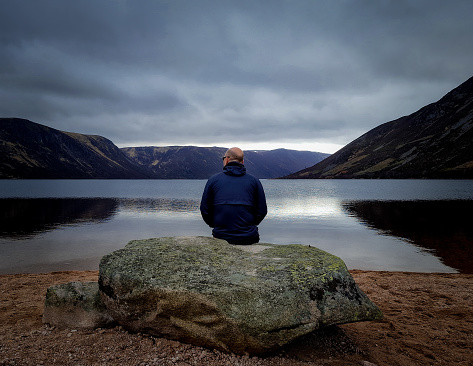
(389, 225)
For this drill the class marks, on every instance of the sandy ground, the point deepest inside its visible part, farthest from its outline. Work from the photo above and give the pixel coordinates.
(428, 321)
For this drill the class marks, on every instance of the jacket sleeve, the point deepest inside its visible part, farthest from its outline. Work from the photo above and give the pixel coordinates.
(206, 205)
(261, 208)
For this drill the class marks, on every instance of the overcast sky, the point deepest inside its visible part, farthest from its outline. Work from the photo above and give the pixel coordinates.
(308, 75)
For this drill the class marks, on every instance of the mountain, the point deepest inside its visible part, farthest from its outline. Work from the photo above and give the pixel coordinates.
(177, 162)
(435, 142)
(191, 162)
(275, 163)
(31, 150)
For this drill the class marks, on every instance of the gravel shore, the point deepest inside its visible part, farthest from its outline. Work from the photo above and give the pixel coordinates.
(428, 321)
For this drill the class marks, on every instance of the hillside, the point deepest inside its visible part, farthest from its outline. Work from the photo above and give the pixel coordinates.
(435, 142)
(30, 150)
(275, 163)
(191, 162)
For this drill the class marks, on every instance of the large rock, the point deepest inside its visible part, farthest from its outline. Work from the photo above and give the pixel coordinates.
(243, 299)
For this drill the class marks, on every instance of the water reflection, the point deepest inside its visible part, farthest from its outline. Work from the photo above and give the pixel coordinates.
(291, 208)
(158, 205)
(43, 234)
(22, 218)
(442, 228)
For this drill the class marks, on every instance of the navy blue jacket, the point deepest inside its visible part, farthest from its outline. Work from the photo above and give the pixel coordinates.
(233, 204)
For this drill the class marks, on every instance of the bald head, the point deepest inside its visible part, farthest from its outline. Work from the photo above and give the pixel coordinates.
(235, 154)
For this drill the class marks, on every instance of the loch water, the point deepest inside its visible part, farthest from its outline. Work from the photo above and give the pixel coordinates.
(389, 225)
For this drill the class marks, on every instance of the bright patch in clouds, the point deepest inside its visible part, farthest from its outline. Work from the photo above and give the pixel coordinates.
(303, 75)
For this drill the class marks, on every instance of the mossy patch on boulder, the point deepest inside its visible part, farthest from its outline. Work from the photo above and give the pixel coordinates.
(244, 299)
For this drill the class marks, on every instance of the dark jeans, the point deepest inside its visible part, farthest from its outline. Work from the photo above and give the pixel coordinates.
(246, 241)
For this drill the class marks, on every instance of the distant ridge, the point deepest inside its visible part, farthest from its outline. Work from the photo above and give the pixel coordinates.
(30, 150)
(435, 142)
(192, 162)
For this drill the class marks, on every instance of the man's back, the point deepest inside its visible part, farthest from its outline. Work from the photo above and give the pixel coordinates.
(233, 204)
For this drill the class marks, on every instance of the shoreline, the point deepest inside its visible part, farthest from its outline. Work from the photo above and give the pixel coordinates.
(427, 320)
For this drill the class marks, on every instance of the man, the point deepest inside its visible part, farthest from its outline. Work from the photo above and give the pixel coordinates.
(233, 202)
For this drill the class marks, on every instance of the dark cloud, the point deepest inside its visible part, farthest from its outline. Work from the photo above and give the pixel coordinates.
(207, 72)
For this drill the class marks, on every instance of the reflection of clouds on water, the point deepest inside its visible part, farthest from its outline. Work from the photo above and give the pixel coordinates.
(158, 207)
(303, 208)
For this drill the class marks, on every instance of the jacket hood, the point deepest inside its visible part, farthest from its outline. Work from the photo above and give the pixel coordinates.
(235, 169)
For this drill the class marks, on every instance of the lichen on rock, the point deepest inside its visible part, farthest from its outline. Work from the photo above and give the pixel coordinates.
(244, 299)
(200, 290)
